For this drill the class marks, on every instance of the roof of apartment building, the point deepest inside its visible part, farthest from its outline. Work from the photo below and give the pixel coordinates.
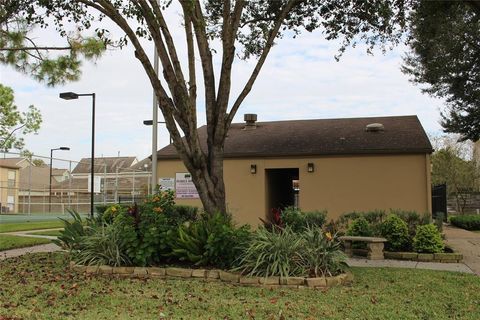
(38, 177)
(104, 164)
(7, 163)
(372, 135)
(144, 165)
(11, 163)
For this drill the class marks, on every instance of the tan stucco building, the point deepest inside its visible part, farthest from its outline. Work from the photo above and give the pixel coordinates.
(9, 177)
(340, 165)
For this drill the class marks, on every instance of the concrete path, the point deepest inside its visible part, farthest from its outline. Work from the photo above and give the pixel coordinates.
(455, 267)
(30, 233)
(466, 243)
(21, 251)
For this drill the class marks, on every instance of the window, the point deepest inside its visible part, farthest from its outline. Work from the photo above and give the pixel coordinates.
(11, 179)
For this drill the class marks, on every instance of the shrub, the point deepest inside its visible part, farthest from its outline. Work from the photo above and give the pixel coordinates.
(315, 218)
(412, 218)
(160, 202)
(109, 214)
(284, 252)
(298, 220)
(213, 240)
(145, 235)
(428, 239)
(360, 227)
(273, 253)
(72, 232)
(104, 246)
(395, 230)
(468, 222)
(180, 214)
(292, 217)
(321, 253)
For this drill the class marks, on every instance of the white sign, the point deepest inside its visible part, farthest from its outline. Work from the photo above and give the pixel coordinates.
(97, 183)
(166, 184)
(184, 187)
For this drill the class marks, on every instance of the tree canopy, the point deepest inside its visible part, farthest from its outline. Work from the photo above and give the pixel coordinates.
(445, 57)
(46, 63)
(15, 124)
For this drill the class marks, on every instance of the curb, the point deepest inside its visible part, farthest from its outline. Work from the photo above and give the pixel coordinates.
(217, 275)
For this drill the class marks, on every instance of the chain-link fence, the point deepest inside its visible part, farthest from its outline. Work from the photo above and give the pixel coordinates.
(28, 185)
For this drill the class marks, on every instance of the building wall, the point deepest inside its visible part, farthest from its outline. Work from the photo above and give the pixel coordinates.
(7, 189)
(338, 184)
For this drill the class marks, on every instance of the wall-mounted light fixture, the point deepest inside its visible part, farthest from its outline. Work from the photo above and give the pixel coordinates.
(310, 167)
(253, 168)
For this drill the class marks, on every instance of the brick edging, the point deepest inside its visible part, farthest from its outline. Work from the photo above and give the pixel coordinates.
(217, 275)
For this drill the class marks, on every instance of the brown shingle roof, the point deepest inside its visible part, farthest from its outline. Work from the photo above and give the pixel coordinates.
(402, 134)
(10, 163)
(110, 163)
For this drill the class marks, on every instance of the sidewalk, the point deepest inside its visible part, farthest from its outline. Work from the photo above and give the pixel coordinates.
(50, 247)
(35, 249)
(27, 233)
(454, 267)
(466, 243)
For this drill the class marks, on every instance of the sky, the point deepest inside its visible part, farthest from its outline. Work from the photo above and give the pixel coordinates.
(300, 80)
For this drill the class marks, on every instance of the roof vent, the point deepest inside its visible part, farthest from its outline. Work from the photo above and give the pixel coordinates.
(374, 127)
(250, 121)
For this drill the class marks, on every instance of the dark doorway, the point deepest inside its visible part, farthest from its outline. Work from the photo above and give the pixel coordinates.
(280, 192)
(439, 201)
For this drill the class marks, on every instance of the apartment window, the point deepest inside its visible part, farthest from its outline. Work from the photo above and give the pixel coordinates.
(11, 179)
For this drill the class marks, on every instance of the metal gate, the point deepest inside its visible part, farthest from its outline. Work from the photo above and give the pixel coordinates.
(439, 200)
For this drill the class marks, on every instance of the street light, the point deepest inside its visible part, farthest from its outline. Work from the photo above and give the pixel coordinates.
(50, 184)
(72, 96)
(154, 151)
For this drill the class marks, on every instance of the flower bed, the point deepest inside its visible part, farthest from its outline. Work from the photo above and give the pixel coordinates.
(217, 275)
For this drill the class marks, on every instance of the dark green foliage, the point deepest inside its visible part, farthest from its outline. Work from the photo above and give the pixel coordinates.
(144, 235)
(360, 227)
(212, 240)
(111, 212)
(395, 230)
(468, 222)
(181, 213)
(428, 239)
(445, 46)
(298, 220)
(374, 219)
(413, 219)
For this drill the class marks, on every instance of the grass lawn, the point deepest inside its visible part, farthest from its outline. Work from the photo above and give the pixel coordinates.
(23, 226)
(41, 286)
(8, 242)
(53, 233)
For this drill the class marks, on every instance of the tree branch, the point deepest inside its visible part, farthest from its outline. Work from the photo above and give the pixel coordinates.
(268, 45)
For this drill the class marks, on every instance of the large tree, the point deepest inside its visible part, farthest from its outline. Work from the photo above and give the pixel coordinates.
(246, 29)
(13, 123)
(445, 58)
(51, 64)
(453, 163)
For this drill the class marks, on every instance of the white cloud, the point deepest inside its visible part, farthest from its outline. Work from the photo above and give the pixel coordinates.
(300, 80)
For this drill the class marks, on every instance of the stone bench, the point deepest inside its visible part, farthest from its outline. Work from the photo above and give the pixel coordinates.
(375, 246)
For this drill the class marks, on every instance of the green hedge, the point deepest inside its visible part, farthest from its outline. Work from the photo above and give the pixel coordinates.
(468, 222)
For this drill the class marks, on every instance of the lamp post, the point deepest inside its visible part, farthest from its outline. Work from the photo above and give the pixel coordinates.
(50, 183)
(72, 96)
(154, 149)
